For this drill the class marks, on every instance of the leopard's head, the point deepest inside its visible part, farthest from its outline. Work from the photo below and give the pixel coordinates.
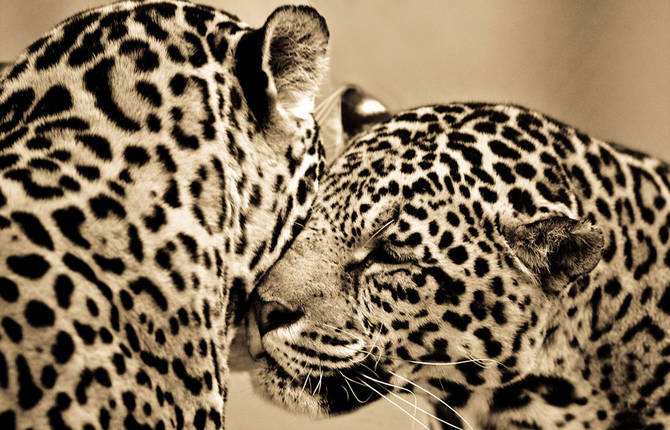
(417, 271)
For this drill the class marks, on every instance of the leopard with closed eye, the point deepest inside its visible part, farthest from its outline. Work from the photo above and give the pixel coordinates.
(155, 159)
(509, 268)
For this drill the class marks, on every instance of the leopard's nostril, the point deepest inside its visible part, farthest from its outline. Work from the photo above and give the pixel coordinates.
(272, 315)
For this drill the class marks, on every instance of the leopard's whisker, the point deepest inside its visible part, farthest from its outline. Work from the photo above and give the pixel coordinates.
(433, 396)
(305, 383)
(413, 417)
(415, 404)
(318, 385)
(477, 361)
(352, 388)
(326, 105)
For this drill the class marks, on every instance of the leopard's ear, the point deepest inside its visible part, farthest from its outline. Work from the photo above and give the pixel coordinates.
(557, 249)
(281, 65)
(360, 110)
(345, 113)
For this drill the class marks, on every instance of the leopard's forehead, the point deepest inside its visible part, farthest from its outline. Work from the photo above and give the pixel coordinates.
(464, 159)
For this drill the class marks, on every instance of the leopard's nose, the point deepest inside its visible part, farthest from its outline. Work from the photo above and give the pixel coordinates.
(272, 315)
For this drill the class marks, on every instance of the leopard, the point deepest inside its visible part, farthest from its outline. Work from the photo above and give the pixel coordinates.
(156, 158)
(506, 269)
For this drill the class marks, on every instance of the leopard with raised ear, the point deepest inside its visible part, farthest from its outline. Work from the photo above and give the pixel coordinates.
(155, 160)
(509, 268)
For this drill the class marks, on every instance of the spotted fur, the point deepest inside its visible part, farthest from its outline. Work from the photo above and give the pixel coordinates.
(155, 160)
(511, 269)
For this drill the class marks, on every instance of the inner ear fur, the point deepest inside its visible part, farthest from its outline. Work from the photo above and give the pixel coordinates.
(557, 249)
(295, 56)
(280, 65)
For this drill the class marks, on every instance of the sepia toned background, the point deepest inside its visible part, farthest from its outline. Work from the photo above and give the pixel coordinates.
(601, 65)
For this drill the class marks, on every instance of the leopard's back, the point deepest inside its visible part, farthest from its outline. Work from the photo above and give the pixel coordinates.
(152, 166)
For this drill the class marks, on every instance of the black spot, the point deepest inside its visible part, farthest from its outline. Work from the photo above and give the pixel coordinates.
(31, 266)
(458, 254)
(460, 322)
(154, 123)
(37, 143)
(504, 173)
(69, 221)
(218, 45)
(522, 201)
(664, 302)
(113, 265)
(166, 159)
(65, 124)
(156, 220)
(103, 205)
(504, 151)
(8, 160)
(32, 188)
(525, 170)
(9, 291)
(48, 376)
(186, 141)
(555, 391)
(135, 243)
(85, 380)
(481, 267)
(56, 100)
(200, 419)
(457, 394)
(192, 384)
(33, 229)
(149, 92)
(146, 60)
(80, 266)
(198, 56)
(136, 155)
(97, 144)
(63, 287)
(90, 48)
(12, 111)
(178, 84)
(13, 329)
(29, 393)
(97, 82)
(145, 285)
(85, 332)
(175, 54)
(43, 164)
(89, 172)
(38, 314)
(55, 50)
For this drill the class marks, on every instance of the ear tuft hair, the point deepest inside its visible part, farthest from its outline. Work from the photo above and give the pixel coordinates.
(556, 249)
(281, 65)
(295, 56)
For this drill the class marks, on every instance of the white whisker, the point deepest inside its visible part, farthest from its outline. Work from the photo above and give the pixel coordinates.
(305, 383)
(435, 397)
(352, 389)
(326, 105)
(477, 361)
(318, 385)
(397, 406)
(416, 406)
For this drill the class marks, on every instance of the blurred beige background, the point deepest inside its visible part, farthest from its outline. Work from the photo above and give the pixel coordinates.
(601, 65)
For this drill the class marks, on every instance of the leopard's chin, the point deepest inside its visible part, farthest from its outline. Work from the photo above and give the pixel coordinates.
(317, 396)
(274, 384)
